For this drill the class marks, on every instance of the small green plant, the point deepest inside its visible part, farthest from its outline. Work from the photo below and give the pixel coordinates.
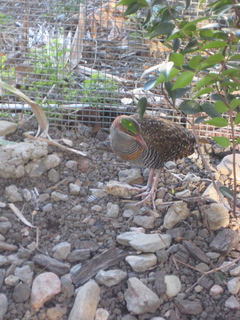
(6, 73)
(99, 89)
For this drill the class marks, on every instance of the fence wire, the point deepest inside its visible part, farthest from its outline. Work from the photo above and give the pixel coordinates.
(81, 61)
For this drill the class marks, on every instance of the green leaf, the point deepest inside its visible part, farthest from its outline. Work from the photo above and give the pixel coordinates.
(221, 106)
(176, 44)
(237, 118)
(217, 122)
(181, 92)
(183, 80)
(132, 8)
(210, 109)
(220, 277)
(215, 44)
(194, 62)
(226, 192)
(222, 141)
(234, 103)
(142, 106)
(162, 28)
(148, 17)
(129, 125)
(177, 58)
(191, 47)
(190, 107)
(128, 2)
(200, 119)
(203, 91)
(206, 80)
(235, 57)
(172, 93)
(211, 61)
(166, 16)
(206, 33)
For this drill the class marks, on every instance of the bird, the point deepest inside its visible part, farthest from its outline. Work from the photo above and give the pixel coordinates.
(149, 142)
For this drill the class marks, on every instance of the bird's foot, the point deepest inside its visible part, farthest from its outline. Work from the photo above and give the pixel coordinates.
(140, 188)
(149, 194)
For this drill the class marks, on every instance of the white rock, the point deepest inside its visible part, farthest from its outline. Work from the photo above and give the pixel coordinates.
(145, 242)
(235, 271)
(101, 314)
(36, 169)
(71, 164)
(25, 274)
(97, 208)
(225, 266)
(184, 193)
(7, 127)
(139, 298)
(217, 216)
(157, 318)
(112, 210)
(130, 176)
(110, 277)
(173, 285)
(74, 189)
(12, 193)
(215, 290)
(232, 303)
(11, 280)
(61, 250)
(120, 189)
(45, 286)
(177, 212)
(211, 192)
(226, 166)
(3, 305)
(98, 193)
(233, 285)
(58, 196)
(141, 263)
(86, 301)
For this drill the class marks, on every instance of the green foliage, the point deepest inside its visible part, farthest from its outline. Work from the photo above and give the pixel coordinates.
(204, 61)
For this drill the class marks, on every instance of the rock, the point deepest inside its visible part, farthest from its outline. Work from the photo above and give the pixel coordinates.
(217, 216)
(129, 317)
(141, 263)
(83, 165)
(146, 222)
(128, 213)
(195, 251)
(202, 266)
(173, 285)
(47, 208)
(112, 210)
(53, 176)
(5, 226)
(61, 250)
(11, 280)
(58, 196)
(213, 255)
(211, 192)
(4, 246)
(160, 285)
(14, 157)
(188, 307)
(51, 264)
(26, 195)
(98, 193)
(233, 286)
(21, 292)
(67, 286)
(139, 298)
(74, 189)
(3, 305)
(225, 240)
(235, 272)
(7, 127)
(36, 169)
(56, 313)
(145, 242)
(101, 314)
(232, 303)
(120, 189)
(72, 164)
(225, 167)
(177, 212)
(25, 274)
(110, 277)
(3, 260)
(97, 208)
(78, 255)
(170, 165)
(12, 194)
(86, 302)
(130, 176)
(45, 286)
(215, 290)
(182, 194)
(162, 256)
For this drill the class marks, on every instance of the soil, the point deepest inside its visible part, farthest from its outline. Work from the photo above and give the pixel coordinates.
(86, 227)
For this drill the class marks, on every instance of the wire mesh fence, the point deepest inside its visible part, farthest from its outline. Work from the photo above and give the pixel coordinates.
(81, 61)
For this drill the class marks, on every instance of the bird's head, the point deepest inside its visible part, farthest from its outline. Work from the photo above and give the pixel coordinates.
(128, 126)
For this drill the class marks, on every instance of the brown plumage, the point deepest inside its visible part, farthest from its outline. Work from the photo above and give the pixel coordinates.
(152, 142)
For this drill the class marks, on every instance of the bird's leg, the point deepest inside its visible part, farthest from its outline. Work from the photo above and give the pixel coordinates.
(148, 186)
(151, 188)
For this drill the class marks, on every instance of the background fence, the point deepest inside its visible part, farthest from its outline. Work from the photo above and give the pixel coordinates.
(80, 61)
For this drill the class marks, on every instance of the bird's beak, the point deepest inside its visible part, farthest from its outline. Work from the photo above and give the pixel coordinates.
(140, 139)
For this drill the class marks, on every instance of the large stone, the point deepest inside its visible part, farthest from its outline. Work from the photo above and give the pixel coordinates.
(225, 241)
(142, 262)
(217, 215)
(120, 189)
(225, 167)
(45, 286)
(86, 302)
(140, 299)
(173, 285)
(110, 277)
(36, 169)
(176, 213)
(7, 127)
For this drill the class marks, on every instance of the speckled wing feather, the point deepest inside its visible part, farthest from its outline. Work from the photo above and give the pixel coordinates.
(166, 140)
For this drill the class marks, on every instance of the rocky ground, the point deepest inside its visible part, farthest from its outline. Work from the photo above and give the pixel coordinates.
(73, 246)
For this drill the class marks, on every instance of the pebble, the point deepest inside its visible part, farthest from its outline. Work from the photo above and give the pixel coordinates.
(217, 216)
(86, 301)
(225, 167)
(12, 194)
(71, 164)
(224, 241)
(130, 176)
(173, 285)
(7, 127)
(162, 256)
(202, 266)
(57, 196)
(101, 314)
(3, 305)
(184, 193)
(4, 246)
(43, 197)
(25, 274)
(146, 222)
(141, 263)
(233, 286)
(98, 193)
(216, 290)
(128, 213)
(11, 280)
(3, 260)
(212, 193)
(21, 292)
(213, 255)
(56, 313)
(96, 208)
(67, 286)
(235, 271)
(78, 255)
(35, 169)
(159, 283)
(139, 298)
(232, 303)
(45, 286)
(198, 288)
(51, 264)
(61, 250)
(112, 210)
(189, 307)
(47, 208)
(74, 189)
(145, 242)
(120, 189)
(176, 213)
(26, 195)
(110, 277)
(53, 176)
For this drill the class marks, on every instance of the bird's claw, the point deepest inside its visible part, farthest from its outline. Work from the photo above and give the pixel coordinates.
(148, 195)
